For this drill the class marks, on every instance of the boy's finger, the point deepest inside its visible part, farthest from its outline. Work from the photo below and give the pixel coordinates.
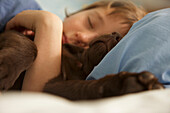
(28, 32)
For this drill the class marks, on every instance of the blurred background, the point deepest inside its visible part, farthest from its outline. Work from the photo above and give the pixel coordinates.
(58, 6)
(152, 5)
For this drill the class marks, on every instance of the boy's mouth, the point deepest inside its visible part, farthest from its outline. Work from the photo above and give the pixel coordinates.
(64, 39)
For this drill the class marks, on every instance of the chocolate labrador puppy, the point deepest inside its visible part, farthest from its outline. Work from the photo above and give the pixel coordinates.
(77, 63)
(18, 53)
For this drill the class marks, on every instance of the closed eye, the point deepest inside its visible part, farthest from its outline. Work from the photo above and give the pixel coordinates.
(90, 23)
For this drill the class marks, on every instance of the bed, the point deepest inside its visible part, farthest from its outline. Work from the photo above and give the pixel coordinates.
(153, 31)
(146, 102)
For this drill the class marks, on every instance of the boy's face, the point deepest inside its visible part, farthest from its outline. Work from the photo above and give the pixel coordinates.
(79, 29)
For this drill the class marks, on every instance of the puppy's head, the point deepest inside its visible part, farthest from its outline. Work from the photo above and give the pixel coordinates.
(98, 48)
(105, 43)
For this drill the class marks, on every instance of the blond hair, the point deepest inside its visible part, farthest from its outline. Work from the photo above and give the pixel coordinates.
(130, 12)
(125, 9)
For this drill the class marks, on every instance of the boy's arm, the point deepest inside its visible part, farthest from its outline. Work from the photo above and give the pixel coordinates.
(48, 33)
(48, 61)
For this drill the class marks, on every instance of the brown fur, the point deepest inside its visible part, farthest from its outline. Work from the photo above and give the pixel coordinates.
(17, 53)
(111, 85)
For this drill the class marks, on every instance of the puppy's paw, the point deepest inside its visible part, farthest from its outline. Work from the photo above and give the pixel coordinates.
(127, 82)
(149, 81)
(136, 82)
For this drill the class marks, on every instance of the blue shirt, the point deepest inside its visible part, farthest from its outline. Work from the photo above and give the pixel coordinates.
(146, 47)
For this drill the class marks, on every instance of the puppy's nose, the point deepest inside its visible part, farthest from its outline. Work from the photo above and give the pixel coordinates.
(117, 36)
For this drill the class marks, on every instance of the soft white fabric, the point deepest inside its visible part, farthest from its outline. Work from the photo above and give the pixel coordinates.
(156, 101)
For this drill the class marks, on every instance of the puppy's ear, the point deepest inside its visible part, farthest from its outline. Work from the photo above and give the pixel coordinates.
(72, 49)
(116, 37)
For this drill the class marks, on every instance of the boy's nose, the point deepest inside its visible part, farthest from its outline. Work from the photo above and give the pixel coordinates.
(85, 37)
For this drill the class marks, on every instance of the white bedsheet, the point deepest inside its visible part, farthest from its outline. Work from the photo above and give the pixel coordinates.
(157, 101)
